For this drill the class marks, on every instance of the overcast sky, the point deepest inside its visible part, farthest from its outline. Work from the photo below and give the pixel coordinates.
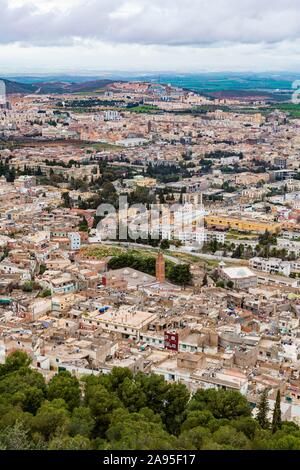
(149, 35)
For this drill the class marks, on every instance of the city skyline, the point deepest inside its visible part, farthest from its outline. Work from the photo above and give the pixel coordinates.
(149, 229)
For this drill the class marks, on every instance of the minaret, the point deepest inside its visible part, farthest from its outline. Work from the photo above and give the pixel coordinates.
(160, 268)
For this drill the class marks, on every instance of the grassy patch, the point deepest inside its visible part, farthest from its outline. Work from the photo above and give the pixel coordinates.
(101, 251)
(234, 235)
(146, 109)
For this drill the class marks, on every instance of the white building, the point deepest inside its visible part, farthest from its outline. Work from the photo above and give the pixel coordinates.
(292, 247)
(112, 115)
(241, 276)
(271, 265)
(204, 236)
(75, 241)
(132, 142)
(126, 321)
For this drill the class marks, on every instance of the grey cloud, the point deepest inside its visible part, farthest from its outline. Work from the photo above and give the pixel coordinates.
(162, 22)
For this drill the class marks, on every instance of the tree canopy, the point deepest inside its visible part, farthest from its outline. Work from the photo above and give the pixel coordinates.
(124, 411)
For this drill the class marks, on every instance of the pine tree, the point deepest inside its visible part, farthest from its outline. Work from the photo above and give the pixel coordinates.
(67, 200)
(83, 226)
(263, 409)
(276, 421)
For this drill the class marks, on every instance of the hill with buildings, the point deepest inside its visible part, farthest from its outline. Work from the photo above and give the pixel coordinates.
(50, 87)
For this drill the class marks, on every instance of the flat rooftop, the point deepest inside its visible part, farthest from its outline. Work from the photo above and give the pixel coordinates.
(240, 272)
(131, 319)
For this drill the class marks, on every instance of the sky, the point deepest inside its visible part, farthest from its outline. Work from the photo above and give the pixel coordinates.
(149, 35)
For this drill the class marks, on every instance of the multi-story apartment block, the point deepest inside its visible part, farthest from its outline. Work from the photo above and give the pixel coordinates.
(271, 265)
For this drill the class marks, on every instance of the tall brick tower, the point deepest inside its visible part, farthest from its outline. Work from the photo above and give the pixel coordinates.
(160, 268)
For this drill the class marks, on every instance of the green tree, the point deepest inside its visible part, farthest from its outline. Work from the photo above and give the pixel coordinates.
(65, 386)
(11, 175)
(52, 418)
(220, 284)
(17, 437)
(126, 411)
(70, 443)
(263, 410)
(196, 419)
(173, 414)
(246, 425)
(238, 252)
(165, 244)
(45, 293)
(180, 274)
(222, 404)
(230, 438)
(23, 387)
(193, 439)
(156, 389)
(66, 200)
(27, 287)
(82, 422)
(101, 403)
(276, 421)
(133, 431)
(15, 361)
(11, 414)
(118, 376)
(83, 225)
(43, 268)
(287, 442)
(131, 395)
(141, 196)
(109, 194)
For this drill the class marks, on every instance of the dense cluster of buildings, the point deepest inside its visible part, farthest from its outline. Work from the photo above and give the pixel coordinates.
(236, 326)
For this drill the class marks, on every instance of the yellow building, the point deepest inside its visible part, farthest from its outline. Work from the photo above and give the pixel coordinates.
(61, 303)
(242, 225)
(145, 182)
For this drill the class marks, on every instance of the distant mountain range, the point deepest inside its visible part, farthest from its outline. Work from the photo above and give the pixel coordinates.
(272, 86)
(55, 87)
